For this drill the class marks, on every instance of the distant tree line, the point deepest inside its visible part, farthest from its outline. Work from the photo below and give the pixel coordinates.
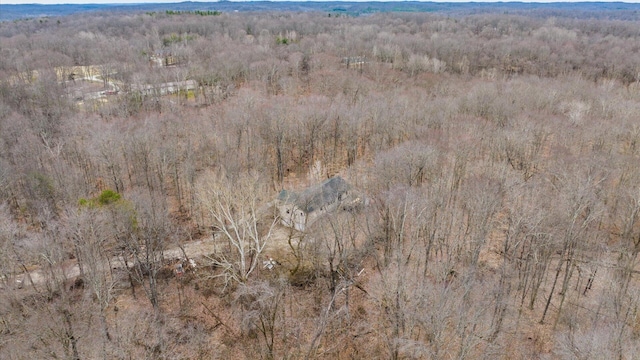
(496, 156)
(196, 12)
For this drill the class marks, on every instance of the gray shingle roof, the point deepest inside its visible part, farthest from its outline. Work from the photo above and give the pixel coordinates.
(318, 196)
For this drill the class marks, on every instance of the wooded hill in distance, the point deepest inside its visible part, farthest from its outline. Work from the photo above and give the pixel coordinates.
(200, 183)
(586, 10)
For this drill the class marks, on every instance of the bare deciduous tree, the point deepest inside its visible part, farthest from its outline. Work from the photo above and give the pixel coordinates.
(240, 223)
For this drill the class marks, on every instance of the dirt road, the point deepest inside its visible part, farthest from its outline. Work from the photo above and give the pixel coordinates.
(194, 250)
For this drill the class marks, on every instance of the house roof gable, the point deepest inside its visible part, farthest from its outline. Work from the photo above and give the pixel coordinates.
(318, 196)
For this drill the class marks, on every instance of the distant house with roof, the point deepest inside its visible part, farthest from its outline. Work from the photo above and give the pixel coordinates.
(164, 57)
(299, 210)
(164, 88)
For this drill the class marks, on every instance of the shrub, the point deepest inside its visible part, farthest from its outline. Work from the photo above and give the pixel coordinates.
(106, 197)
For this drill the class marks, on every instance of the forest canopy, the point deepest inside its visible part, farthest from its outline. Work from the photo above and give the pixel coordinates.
(491, 209)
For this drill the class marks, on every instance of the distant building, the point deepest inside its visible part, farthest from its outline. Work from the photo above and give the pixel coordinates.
(164, 57)
(354, 62)
(299, 210)
(164, 88)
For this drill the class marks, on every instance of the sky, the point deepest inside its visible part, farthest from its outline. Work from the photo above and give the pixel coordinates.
(175, 1)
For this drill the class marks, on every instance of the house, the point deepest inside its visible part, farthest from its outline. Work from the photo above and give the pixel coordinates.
(164, 57)
(299, 210)
(164, 88)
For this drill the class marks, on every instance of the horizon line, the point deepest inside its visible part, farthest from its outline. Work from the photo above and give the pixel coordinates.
(136, 2)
